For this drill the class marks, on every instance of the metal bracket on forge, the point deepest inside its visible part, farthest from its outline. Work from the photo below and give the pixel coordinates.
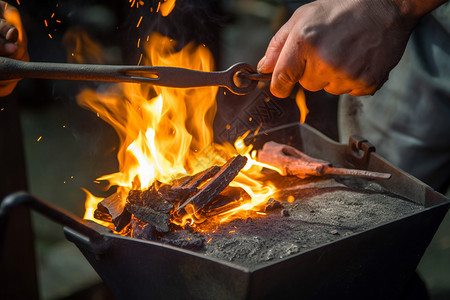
(358, 151)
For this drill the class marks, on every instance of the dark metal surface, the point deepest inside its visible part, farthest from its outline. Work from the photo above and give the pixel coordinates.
(240, 78)
(375, 264)
(50, 211)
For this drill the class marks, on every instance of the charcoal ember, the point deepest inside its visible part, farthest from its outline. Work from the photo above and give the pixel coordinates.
(135, 197)
(114, 206)
(103, 216)
(228, 199)
(273, 204)
(176, 194)
(236, 193)
(142, 230)
(184, 239)
(147, 214)
(201, 177)
(183, 188)
(151, 198)
(180, 182)
(216, 185)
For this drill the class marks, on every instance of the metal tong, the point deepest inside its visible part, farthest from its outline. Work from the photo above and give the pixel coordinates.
(240, 78)
(290, 161)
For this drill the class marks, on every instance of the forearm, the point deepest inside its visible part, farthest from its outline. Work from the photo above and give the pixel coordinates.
(417, 8)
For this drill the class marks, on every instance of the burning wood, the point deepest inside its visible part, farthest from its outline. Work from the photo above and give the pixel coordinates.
(228, 199)
(150, 206)
(142, 230)
(217, 183)
(149, 211)
(290, 161)
(184, 187)
(111, 209)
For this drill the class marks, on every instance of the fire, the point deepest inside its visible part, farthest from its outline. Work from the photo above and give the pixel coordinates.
(166, 133)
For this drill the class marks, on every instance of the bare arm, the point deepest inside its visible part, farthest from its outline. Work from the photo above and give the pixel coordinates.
(342, 46)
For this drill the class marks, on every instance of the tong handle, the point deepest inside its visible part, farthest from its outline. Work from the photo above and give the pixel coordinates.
(52, 212)
(238, 78)
(16, 69)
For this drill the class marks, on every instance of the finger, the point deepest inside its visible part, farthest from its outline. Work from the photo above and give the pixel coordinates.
(268, 62)
(16, 46)
(12, 35)
(340, 85)
(288, 69)
(5, 27)
(7, 49)
(315, 76)
(8, 36)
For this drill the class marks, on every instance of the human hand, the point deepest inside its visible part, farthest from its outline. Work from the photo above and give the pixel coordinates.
(341, 46)
(13, 41)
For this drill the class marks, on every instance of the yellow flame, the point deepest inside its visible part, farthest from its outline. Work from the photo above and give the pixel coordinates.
(300, 99)
(166, 133)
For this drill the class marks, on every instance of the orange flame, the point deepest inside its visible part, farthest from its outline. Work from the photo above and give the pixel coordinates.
(166, 133)
(300, 99)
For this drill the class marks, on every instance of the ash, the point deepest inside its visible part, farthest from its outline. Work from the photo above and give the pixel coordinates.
(324, 210)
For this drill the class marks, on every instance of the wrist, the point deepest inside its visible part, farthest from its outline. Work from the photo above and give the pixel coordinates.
(417, 8)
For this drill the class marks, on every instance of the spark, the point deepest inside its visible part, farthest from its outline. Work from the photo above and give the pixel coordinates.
(140, 58)
(45, 22)
(39, 138)
(139, 23)
(139, 41)
(18, 2)
(53, 14)
(231, 231)
(208, 240)
(50, 35)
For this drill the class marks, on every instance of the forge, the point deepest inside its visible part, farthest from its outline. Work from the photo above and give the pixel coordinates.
(325, 237)
(341, 237)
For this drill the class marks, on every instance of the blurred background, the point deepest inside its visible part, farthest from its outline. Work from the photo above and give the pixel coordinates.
(65, 147)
